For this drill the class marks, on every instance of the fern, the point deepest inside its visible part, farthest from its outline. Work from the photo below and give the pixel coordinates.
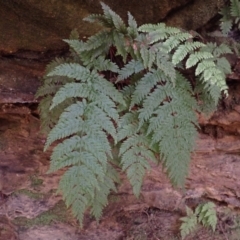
(204, 214)
(123, 89)
(189, 223)
(230, 16)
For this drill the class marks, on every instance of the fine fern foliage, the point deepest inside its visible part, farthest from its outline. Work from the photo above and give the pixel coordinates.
(204, 214)
(230, 16)
(124, 88)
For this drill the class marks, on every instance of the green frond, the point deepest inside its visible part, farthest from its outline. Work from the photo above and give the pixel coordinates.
(164, 63)
(103, 86)
(135, 155)
(101, 195)
(107, 105)
(145, 85)
(207, 95)
(132, 26)
(97, 40)
(78, 194)
(130, 68)
(148, 56)
(99, 118)
(204, 65)
(235, 8)
(189, 223)
(47, 89)
(172, 122)
(215, 77)
(71, 70)
(216, 50)
(194, 58)
(222, 49)
(174, 41)
(119, 41)
(102, 64)
(114, 18)
(99, 18)
(128, 126)
(183, 50)
(226, 26)
(71, 90)
(207, 215)
(224, 65)
(53, 64)
(151, 27)
(64, 149)
(77, 45)
(134, 66)
(50, 118)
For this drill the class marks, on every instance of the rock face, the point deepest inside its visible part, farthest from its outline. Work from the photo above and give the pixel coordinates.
(29, 27)
(35, 25)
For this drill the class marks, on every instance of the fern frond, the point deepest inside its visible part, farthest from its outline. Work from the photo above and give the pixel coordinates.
(134, 66)
(114, 18)
(226, 26)
(151, 27)
(207, 215)
(47, 89)
(128, 125)
(132, 26)
(102, 64)
(103, 86)
(145, 85)
(224, 65)
(70, 122)
(101, 119)
(189, 223)
(101, 195)
(119, 42)
(77, 45)
(50, 118)
(135, 155)
(71, 90)
(174, 40)
(97, 40)
(194, 58)
(164, 63)
(71, 70)
(184, 49)
(172, 122)
(63, 149)
(235, 8)
(204, 65)
(99, 18)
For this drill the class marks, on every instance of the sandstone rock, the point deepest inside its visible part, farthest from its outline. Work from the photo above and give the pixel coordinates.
(41, 25)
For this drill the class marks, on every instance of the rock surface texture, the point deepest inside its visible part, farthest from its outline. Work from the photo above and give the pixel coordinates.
(30, 209)
(40, 26)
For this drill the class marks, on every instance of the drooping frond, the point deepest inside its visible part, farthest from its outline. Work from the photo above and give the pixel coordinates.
(172, 122)
(134, 151)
